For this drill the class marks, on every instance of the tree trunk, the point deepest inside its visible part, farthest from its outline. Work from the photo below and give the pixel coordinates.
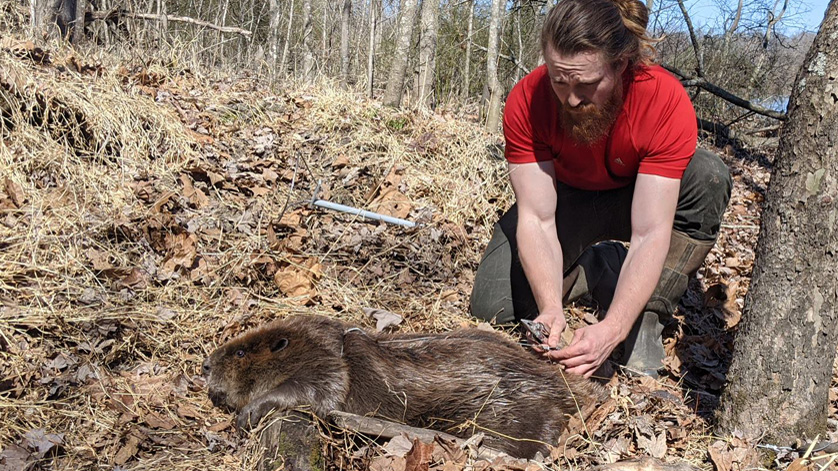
(395, 80)
(308, 53)
(429, 19)
(371, 52)
(344, 42)
(782, 365)
(467, 65)
(52, 18)
(493, 83)
(275, 14)
(324, 39)
(78, 22)
(163, 24)
(283, 62)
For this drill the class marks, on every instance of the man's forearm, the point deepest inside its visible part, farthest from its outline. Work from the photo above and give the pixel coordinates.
(541, 256)
(638, 278)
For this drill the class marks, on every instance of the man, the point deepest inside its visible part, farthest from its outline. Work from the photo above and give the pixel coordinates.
(601, 145)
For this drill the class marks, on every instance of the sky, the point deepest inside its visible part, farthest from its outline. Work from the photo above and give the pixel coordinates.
(801, 14)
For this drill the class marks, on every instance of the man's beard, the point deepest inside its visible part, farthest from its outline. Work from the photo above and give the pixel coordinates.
(588, 123)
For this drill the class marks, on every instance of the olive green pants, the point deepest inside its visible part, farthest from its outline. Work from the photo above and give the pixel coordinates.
(584, 218)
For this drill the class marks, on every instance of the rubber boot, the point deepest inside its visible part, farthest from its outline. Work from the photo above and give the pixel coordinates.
(643, 348)
(595, 272)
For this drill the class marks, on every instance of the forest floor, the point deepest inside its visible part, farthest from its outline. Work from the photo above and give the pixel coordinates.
(148, 214)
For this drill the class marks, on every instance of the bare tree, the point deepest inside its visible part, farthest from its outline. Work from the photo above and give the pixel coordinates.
(467, 67)
(324, 37)
(780, 376)
(308, 53)
(494, 91)
(283, 62)
(427, 52)
(344, 41)
(699, 51)
(773, 18)
(734, 25)
(273, 38)
(395, 80)
(371, 52)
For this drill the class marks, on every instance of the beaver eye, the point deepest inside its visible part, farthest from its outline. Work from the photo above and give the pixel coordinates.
(240, 353)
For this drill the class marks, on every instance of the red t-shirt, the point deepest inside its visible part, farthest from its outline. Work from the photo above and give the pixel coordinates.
(655, 133)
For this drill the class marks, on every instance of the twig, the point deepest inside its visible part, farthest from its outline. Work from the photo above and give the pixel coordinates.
(699, 54)
(106, 15)
(689, 81)
(386, 429)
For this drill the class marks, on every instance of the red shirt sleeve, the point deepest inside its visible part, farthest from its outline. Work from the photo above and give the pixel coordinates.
(521, 127)
(673, 130)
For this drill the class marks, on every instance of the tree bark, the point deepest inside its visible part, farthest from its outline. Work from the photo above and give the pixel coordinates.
(467, 66)
(782, 365)
(344, 42)
(493, 83)
(395, 80)
(164, 23)
(308, 53)
(429, 18)
(324, 39)
(273, 35)
(78, 21)
(52, 18)
(291, 442)
(371, 51)
(283, 61)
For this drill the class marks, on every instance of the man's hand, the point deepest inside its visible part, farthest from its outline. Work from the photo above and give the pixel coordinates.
(590, 347)
(553, 318)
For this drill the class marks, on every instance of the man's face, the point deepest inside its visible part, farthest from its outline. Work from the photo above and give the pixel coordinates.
(590, 92)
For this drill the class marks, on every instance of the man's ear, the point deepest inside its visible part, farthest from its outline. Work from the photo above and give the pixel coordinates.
(621, 65)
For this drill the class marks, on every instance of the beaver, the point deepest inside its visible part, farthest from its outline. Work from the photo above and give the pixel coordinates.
(464, 380)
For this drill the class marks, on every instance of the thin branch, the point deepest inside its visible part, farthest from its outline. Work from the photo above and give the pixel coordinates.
(107, 15)
(700, 82)
(699, 54)
(386, 429)
(772, 21)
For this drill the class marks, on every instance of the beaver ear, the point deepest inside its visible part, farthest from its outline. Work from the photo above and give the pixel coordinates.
(279, 344)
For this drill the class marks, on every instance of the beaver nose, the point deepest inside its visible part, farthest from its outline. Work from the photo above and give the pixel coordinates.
(206, 367)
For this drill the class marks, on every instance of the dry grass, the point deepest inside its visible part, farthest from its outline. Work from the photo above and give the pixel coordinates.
(100, 339)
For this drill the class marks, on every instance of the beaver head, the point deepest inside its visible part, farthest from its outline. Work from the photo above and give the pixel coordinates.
(302, 353)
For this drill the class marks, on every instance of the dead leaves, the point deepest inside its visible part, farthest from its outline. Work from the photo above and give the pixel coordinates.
(388, 198)
(25, 49)
(182, 250)
(35, 447)
(383, 319)
(403, 454)
(298, 278)
(12, 196)
(734, 455)
(194, 195)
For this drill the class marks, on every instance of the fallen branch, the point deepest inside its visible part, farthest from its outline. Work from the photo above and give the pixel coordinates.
(645, 464)
(107, 15)
(386, 429)
(688, 81)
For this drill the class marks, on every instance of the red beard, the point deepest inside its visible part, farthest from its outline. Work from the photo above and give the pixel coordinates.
(588, 123)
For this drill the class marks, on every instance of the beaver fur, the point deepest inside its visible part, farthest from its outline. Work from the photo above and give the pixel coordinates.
(461, 382)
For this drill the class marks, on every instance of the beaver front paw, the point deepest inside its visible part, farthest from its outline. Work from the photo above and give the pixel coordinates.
(251, 415)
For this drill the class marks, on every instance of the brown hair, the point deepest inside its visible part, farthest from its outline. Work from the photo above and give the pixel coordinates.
(616, 28)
